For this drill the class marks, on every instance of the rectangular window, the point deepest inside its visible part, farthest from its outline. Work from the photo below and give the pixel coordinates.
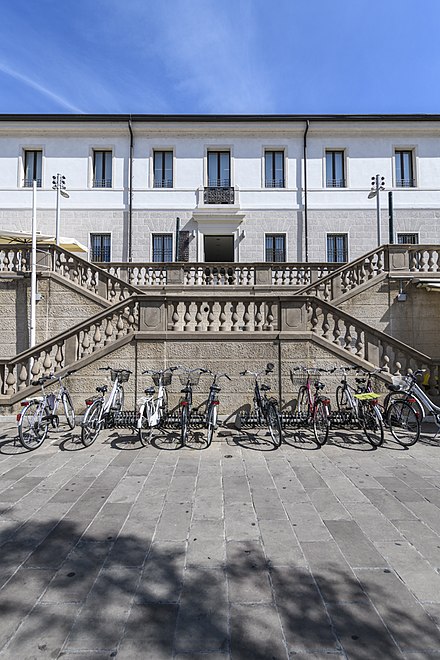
(404, 169)
(337, 248)
(409, 239)
(102, 169)
(334, 169)
(275, 248)
(100, 247)
(162, 247)
(219, 169)
(32, 168)
(274, 169)
(163, 169)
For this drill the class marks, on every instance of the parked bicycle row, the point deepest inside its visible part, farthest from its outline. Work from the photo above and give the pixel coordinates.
(356, 405)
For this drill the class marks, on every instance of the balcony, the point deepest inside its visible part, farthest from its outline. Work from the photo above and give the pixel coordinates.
(219, 195)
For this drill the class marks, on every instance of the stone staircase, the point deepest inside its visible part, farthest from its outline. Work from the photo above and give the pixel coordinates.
(177, 312)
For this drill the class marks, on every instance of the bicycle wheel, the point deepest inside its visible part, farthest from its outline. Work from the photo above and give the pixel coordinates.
(184, 424)
(118, 402)
(92, 423)
(321, 424)
(403, 422)
(33, 426)
(372, 424)
(274, 424)
(211, 424)
(342, 401)
(69, 410)
(145, 431)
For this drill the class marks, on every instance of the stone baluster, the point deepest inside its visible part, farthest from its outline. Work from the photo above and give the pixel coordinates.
(47, 362)
(314, 318)
(386, 364)
(211, 316)
(336, 331)
(222, 317)
(269, 317)
(59, 356)
(359, 343)
(431, 261)
(259, 308)
(199, 317)
(108, 332)
(119, 326)
(187, 317)
(234, 317)
(22, 377)
(10, 380)
(347, 337)
(325, 324)
(246, 316)
(84, 343)
(96, 337)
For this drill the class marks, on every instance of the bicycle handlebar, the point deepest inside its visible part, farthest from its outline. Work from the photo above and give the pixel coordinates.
(113, 369)
(151, 372)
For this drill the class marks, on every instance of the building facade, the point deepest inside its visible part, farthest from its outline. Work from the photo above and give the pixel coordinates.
(224, 188)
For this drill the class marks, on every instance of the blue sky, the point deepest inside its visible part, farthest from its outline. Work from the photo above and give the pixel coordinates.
(224, 56)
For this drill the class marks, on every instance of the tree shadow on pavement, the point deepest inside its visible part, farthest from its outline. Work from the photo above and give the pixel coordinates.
(69, 592)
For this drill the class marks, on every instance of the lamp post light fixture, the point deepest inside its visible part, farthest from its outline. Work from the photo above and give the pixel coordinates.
(377, 184)
(59, 184)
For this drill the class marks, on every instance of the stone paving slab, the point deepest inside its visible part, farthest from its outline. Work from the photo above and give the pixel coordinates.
(232, 552)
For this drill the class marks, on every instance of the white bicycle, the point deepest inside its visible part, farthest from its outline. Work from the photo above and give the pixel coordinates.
(153, 408)
(101, 411)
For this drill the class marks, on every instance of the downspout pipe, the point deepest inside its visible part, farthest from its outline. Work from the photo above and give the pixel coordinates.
(130, 195)
(306, 220)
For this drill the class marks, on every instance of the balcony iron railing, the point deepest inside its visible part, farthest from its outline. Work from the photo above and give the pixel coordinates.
(219, 195)
(405, 183)
(336, 183)
(102, 183)
(28, 183)
(274, 183)
(163, 183)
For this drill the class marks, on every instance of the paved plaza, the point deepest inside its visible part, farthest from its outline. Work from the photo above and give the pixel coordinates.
(236, 551)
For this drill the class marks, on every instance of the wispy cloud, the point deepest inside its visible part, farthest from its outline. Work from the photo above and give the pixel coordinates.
(59, 100)
(213, 55)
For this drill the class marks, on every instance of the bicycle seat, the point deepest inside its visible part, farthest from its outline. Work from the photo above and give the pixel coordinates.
(185, 390)
(264, 388)
(319, 386)
(215, 388)
(102, 389)
(360, 380)
(41, 380)
(149, 391)
(394, 388)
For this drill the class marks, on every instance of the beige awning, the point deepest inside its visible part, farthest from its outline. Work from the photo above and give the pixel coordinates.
(8, 237)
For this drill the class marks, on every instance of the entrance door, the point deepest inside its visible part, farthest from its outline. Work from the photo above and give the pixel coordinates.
(219, 248)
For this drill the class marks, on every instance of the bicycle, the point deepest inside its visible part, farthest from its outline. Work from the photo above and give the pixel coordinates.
(265, 410)
(360, 406)
(100, 410)
(153, 408)
(312, 407)
(407, 406)
(212, 404)
(42, 411)
(189, 379)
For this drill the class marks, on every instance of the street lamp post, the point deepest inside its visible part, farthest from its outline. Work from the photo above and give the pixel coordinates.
(377, 184)
(59, 184)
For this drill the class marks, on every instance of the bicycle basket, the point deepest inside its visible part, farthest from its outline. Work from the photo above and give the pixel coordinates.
(399, 381)
(191, 378)
(123, 375)
(166, 378)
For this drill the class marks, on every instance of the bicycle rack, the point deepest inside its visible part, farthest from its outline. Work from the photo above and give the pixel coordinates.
(342, 418)
(290, 420)
(123, 419)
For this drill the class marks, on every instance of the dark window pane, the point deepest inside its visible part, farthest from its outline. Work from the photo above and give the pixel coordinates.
(32, 168)
(334, 169)
(275, 247)
(100, 247)
(411, 239)
(162, 247)
(102, 169)
(404, 169)
(274, 169)
(219, 175)
(163, 169)
(337, 249)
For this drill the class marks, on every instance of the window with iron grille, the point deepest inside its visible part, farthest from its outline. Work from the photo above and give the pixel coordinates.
(409, 239)
(102, 169)
(274, 169)
(334, 169)
(275, 247)
(219, 169)
(32, 167)
(100, 245)
(162, 247)
(404, 168)
(163, 169)
(337, 248)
